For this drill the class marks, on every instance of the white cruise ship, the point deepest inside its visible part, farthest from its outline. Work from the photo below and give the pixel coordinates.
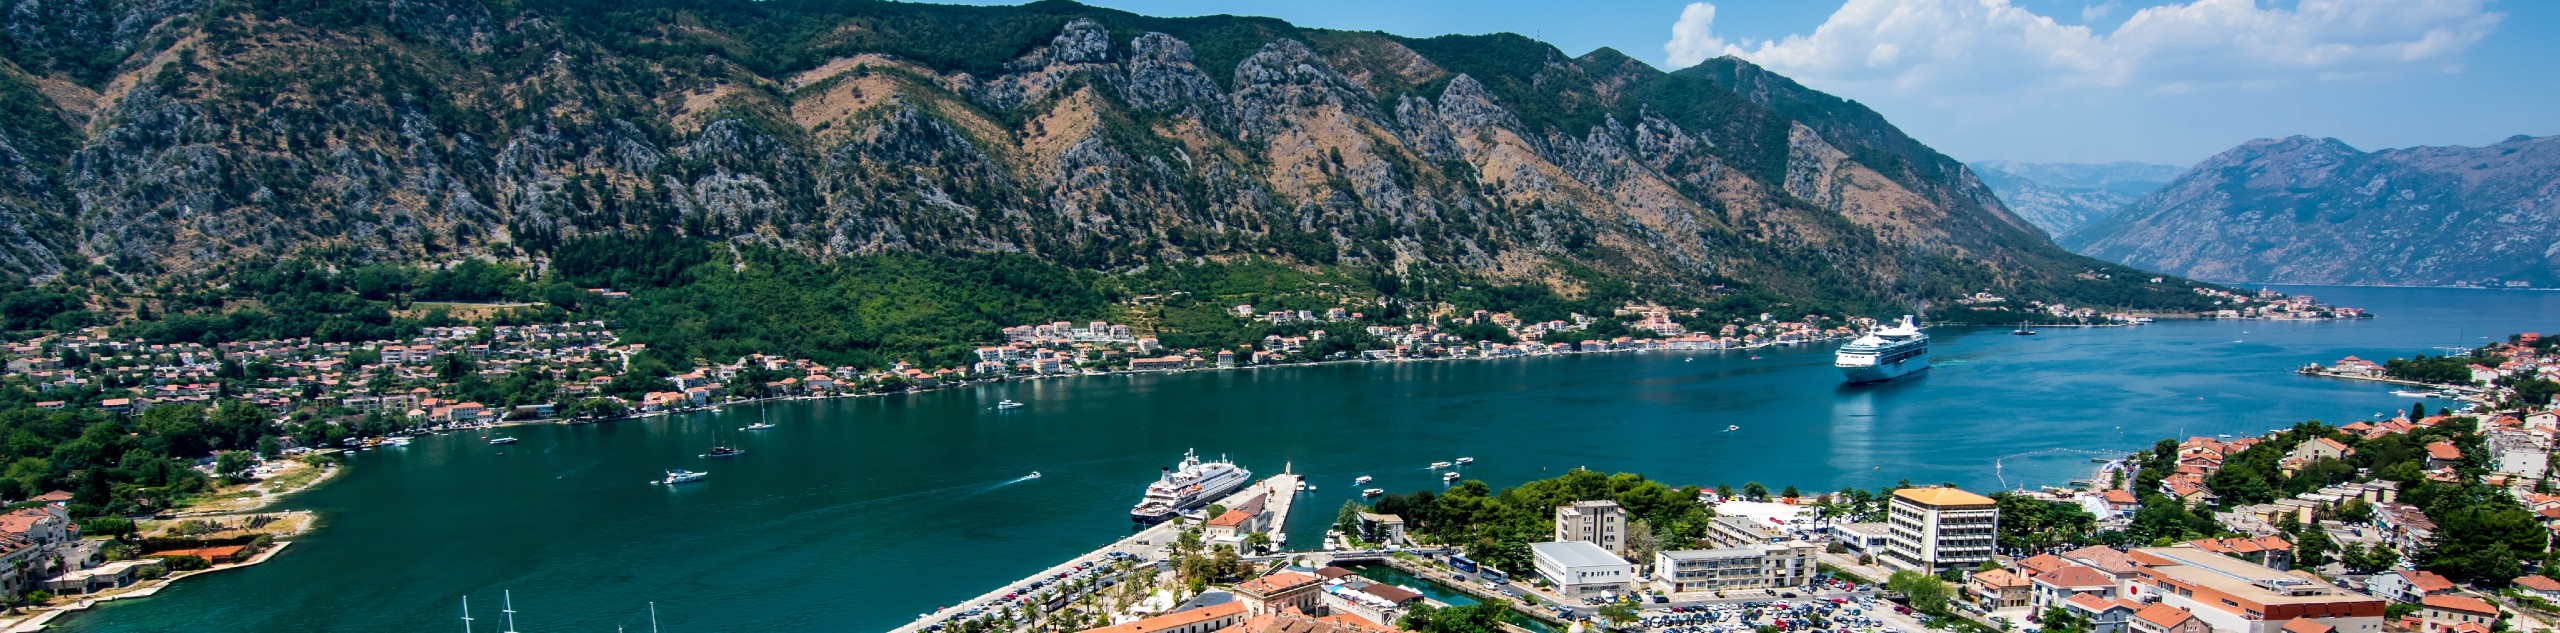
(1884, 354)
(1194, 484)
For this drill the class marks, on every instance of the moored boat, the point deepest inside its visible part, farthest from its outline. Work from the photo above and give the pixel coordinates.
(1189, 487)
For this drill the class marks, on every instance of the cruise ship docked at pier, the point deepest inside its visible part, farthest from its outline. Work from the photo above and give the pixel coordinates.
(1194, 484)
(1884, 354)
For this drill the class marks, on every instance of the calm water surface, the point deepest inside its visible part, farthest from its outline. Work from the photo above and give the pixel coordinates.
(857, 514)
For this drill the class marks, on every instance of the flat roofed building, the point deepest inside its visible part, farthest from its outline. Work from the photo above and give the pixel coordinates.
(2238, 596)
(1600, 523)
(1577, 568)
(1751, 567)
(1936, 528)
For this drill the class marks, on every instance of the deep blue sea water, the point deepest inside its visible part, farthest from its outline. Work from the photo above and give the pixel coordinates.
(857, 514)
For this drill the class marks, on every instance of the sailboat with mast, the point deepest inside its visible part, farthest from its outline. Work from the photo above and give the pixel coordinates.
(720, 448)
(765, 421)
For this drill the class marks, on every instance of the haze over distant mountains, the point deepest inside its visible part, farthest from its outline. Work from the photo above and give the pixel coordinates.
(2316, 211)
(2060, 197)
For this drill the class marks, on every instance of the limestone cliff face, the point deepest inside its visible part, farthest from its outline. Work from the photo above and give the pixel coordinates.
(2304, 210)
(426, 130)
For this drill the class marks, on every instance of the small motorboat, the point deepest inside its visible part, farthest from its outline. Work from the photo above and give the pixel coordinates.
(1372, 492)
(1361, 480)
(502, 440)
(1733, 427)
(1449, 476)
(1462, 461)
(1439, 465)
(1034, 475)
(725, 451)
(681, 476)
(1008, 404)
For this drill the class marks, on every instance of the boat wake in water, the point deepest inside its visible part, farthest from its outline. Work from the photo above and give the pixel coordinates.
(1034, 475)
(590, 464)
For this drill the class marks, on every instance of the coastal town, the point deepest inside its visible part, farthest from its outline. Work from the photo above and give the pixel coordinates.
(321, 398)
(2435, 521)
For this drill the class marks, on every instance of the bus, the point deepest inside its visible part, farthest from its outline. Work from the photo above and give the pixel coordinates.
(1463, 564)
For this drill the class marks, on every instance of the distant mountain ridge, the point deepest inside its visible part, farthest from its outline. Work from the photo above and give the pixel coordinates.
(177, 137)
(2317, 211)
(2060, 197)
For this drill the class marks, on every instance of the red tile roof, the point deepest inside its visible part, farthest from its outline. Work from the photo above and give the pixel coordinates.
(2163, 615)
(2075, 576)
(1277, 583)
(2307, 625)
(2538, 582)
(2464, 604)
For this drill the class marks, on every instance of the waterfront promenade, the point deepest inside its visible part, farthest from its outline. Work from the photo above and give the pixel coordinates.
(1151, 543)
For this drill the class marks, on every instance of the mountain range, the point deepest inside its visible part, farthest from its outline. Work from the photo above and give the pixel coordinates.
(182, 138)
(2317, 211)
(2059, 197)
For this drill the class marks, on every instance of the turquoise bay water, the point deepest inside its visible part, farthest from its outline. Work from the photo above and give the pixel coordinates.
(857, 514)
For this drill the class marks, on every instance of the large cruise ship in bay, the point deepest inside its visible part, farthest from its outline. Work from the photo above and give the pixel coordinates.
(1194, 484)
(1884, 354)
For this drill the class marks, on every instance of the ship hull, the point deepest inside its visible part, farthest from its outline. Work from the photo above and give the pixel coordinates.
(1862, 374)
(1197, 501)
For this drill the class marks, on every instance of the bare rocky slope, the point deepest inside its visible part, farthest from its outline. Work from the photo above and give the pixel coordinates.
(2059, 197)
(2305, 210)
(175, 137)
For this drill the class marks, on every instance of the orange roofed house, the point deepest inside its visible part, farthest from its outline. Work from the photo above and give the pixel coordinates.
(1284, 591)
(1209, 619)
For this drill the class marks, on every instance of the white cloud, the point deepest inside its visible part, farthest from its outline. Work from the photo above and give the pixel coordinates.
(1693, 38)
(1958, 48)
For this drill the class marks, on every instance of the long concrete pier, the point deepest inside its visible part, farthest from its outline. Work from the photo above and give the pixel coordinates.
(1149, 542)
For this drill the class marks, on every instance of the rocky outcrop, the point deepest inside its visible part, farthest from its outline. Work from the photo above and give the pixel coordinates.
(2305, 210)
(410, 130)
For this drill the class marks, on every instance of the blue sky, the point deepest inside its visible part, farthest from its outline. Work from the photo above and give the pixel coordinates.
(2065, 80)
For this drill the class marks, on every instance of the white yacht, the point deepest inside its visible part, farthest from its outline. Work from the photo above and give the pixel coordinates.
(680, 476)
(1363, 479)
(1884, 354)
(1193, 485)
(1439, 465)
(1450, 476)
(1462, 461)
(1008, 404)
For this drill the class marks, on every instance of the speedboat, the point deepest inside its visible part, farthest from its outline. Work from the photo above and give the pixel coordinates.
(725, 451)
(1361, 480)
(1439, 465)
(502, 440)
(1034, 475)
(1733, 427)
(1372, 492)
(680, 476)
(1008, 404)
(1462, 461)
